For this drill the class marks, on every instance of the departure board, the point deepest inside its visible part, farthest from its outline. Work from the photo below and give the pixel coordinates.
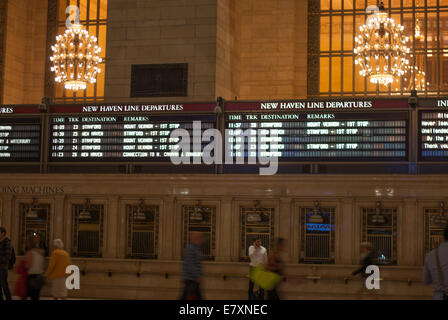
(134, 137)
(19, 139)
(323, 136)
(434, 135)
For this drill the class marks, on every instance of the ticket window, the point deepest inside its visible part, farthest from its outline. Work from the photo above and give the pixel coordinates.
(379, 227)
(200, 219)
(317, 240)
(88, 230)
(256, 223)
(435, 221)
(34, 221)
(143, 231)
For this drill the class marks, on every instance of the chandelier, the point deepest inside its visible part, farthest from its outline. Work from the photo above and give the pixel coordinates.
(75, 58)
(381, 48)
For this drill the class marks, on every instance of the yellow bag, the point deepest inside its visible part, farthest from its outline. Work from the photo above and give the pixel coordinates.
(265, 279)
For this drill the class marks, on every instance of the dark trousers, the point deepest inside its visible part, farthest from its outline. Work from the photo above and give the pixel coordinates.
(4, 288)
(252, 295)
(273, 295)
(192, 290)
(34, 284)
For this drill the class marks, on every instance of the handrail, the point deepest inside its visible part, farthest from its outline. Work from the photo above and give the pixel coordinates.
(225, 276)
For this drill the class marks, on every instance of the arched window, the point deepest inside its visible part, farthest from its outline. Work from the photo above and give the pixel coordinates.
(333, 25)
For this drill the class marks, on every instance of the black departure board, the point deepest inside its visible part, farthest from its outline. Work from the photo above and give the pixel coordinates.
(433, 135)
(323, 136)
(111, 137)
(19, 139)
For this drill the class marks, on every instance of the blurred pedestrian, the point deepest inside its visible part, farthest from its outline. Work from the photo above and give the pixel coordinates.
(367, 258)
(258, 257)
(35, 265)
(192, 271)
(436, 269)
(275, 264)
(21, 283)
(59, 261)
(5, 260)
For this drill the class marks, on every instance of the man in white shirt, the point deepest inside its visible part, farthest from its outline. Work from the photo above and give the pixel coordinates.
(258, 256)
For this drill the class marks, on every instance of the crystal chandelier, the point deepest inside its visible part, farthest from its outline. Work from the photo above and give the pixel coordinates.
(75, 58)
(381, 48)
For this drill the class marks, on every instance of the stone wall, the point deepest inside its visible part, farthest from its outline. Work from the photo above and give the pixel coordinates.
(159, 32)
(114, 276)
(273, 49)
(24, 65)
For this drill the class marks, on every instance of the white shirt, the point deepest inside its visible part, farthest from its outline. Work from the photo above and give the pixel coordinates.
(37, 265)
(258, 255)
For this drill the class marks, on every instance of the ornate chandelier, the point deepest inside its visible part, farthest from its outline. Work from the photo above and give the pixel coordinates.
(381, 48)
(75, 58)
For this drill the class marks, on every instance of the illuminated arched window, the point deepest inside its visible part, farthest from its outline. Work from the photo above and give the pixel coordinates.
(93, 16)
(333, 25)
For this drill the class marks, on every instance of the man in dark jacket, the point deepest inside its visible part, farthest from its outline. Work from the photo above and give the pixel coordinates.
(192, 272)
(5, 256)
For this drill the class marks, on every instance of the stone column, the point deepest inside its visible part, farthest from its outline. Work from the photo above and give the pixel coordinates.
(58, 218)
(409, 234)
(110, 232)
(345, 225)
(285, 225)
(166, 230)
(224, 232)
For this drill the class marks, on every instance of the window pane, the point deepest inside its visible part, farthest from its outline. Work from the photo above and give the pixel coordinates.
(348, 4)
(361, 4)
(324, 74)
(100, 81)
(103, 11)
(336, 4)
(336, 34)
(93, 10)
(83, 10)
(443, 22)
(102, 40)
(335, 74)
(348, 74)
(324, 4)
(324, 34)
(432, 30)
(348, 33)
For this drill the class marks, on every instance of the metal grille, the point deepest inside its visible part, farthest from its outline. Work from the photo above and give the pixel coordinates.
(32, 224)
(203, 220)
(143, 231)
(317, 238)
(434, 227)
(256, 223)
(382, 235)
(88, 231)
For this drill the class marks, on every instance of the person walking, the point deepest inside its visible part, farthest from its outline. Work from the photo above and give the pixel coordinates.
(435, 270)
(59, 261)
(192, 271)
(276, 265)
(258, 256)
(367, 258)
(5, 257)
(35, 265)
